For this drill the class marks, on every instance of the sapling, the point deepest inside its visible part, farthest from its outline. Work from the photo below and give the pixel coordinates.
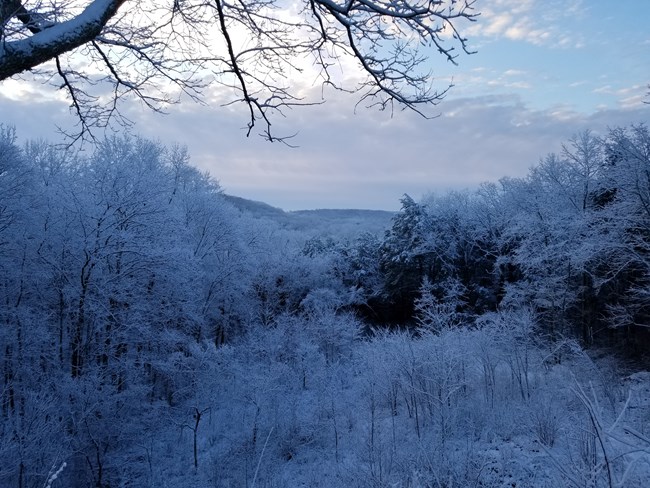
(196, 416)
(54, 474)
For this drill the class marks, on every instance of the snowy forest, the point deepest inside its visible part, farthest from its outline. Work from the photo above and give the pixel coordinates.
(153, 334)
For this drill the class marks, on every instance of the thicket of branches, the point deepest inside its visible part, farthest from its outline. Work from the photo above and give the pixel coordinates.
(103, 52)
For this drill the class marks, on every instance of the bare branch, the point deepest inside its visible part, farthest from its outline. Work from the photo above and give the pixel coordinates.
(169, 51)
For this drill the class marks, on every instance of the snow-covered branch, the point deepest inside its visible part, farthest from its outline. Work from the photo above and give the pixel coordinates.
(54, 39)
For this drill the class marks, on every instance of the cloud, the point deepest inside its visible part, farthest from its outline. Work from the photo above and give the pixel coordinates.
(538, 23)
(634, 101)
(514, 72)
(627, 97)
(22, 90)
(519, 85)
(603, 89)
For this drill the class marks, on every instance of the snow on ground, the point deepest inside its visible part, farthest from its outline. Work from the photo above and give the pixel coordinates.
(462, 408)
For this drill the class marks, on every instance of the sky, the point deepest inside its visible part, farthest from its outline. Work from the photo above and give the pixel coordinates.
(543, 71)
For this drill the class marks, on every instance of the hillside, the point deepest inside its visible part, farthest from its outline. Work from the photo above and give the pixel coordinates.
(340, 222)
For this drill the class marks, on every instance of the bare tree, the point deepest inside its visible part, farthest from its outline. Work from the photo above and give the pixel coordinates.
(101, 51)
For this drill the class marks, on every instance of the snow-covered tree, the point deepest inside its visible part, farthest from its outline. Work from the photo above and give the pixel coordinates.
(441, 306)
(548, 235)
(621, 265)
(402, 255)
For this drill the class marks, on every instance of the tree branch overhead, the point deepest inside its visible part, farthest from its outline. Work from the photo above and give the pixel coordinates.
(156, 53)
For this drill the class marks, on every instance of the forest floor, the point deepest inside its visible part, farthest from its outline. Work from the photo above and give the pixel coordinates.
(460, 409)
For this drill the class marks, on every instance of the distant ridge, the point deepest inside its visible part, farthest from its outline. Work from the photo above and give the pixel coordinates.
(260, 209)
(344, 212)
(344, 222)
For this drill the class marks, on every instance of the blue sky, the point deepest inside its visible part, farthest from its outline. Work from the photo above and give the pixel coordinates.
(544, 70)
(584, 54)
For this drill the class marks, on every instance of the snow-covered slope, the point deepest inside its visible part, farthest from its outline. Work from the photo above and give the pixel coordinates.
(337, 222)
